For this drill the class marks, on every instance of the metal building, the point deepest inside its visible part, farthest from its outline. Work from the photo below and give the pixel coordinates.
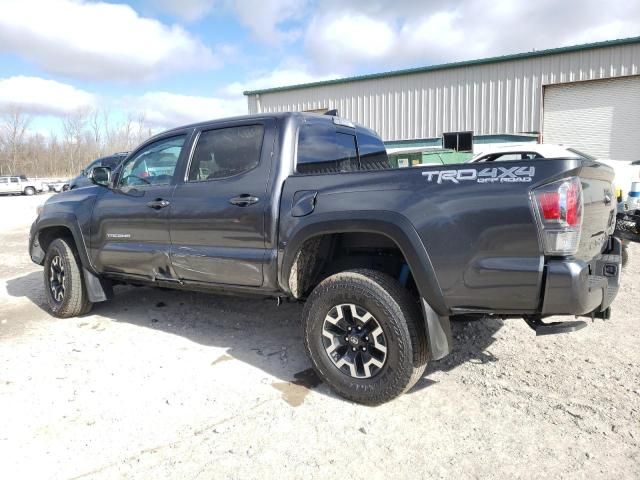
(587, 95)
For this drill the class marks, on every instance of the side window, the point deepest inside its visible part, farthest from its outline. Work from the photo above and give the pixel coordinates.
(4, 180)
(14, 180)
(155, 164)
(323, 150)
(226, 152)
(373, 154)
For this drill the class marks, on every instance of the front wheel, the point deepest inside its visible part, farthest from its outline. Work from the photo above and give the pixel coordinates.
(63, 281)
(29, 191)
(364, 335)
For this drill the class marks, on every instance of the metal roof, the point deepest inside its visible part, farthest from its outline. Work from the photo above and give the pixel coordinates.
(465, 63)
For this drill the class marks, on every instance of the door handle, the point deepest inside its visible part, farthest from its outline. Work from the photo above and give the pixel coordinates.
(244, 200)
(158, 203)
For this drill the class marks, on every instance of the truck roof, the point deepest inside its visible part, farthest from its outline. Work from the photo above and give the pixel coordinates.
(261, 116)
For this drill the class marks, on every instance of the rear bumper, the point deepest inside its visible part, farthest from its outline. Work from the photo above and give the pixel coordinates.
(579, 288)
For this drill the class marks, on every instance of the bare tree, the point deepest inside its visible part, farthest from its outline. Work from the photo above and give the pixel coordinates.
(13, 127)
(83, 136)
(96, 126)
(74, 127)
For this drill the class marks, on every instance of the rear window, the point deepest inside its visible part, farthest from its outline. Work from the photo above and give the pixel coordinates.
(373, 154)
(326, 148)
(321, 149)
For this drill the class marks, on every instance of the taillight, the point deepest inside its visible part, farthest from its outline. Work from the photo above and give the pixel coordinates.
(559, 214)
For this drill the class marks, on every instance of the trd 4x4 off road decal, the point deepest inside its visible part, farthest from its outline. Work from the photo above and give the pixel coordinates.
(486, 175)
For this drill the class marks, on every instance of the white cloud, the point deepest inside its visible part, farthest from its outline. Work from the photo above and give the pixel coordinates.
(99, 41)
(333, 40)
(165, 110)
(38, 96)
(266, 17)
(268, 20)
(289, 73)
(188, 10)
(347, 35)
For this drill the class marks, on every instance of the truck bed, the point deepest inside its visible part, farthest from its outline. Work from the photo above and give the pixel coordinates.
(476, 224)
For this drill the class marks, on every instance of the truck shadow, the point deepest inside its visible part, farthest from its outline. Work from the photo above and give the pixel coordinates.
(251, 330)
(471, 339)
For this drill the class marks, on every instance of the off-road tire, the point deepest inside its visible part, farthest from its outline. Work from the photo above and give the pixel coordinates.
(396, 312)
(75, 301)
(29, 191)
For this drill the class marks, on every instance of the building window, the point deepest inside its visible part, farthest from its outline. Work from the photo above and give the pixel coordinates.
(458, 141)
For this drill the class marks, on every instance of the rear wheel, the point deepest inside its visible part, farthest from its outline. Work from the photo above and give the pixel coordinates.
(29, 191)
(364, 335)
(63, 281)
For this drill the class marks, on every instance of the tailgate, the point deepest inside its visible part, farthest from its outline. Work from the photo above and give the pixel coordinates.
(599, 209)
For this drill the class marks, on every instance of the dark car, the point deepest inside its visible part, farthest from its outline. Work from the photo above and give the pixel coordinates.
(308, 207)
(112, 162)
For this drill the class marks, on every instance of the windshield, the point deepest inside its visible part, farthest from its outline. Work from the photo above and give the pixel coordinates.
(586, 156)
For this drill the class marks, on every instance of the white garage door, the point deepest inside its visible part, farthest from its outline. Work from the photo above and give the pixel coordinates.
(602, 117)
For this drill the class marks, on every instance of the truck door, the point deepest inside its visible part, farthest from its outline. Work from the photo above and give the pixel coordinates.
(130, 222)
(218, 213)
(4, 185)
(14, 185)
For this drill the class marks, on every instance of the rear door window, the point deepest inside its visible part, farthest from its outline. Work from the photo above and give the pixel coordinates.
(226, 152)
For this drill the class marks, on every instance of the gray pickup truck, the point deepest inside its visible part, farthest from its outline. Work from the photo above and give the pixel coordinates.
(308, 207)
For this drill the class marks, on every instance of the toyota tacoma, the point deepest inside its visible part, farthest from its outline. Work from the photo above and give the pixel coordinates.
(307, 207)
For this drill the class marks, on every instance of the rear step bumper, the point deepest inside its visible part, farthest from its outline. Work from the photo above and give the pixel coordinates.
(551, 328)
(579, 288)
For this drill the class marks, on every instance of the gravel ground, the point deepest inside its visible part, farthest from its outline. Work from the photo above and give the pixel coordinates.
(163, 384)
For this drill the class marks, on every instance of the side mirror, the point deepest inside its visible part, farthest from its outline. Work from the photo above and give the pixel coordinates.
(100, 176)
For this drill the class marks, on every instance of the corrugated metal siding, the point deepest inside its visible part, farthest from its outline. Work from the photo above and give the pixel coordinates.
(499, 98)
(602, 117)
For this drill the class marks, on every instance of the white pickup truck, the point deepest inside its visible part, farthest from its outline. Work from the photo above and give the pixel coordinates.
(19, 185)
(626, 172)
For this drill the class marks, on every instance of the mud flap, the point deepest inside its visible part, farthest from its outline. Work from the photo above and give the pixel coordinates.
(98, 289)
(438, 332)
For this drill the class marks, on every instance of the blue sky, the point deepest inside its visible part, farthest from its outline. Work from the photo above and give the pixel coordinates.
(178, 61)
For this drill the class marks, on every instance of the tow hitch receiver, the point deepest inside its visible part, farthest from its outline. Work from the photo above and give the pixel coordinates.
(551, 328)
